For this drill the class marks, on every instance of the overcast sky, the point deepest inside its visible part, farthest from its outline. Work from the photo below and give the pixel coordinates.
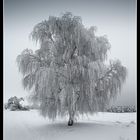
(114, 18)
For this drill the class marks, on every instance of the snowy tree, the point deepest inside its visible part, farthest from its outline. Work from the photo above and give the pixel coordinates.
(67, 74)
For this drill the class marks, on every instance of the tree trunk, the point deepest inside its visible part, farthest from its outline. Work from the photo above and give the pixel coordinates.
(70, 122)
(71, 118)
(71, 108)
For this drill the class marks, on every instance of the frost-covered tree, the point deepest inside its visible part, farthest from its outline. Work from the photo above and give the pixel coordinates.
(67, 74)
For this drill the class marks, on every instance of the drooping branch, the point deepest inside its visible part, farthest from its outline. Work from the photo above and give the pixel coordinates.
(116, 71)
(105, 75)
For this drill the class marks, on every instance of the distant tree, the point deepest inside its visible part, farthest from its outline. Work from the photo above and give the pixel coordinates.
(67, 74)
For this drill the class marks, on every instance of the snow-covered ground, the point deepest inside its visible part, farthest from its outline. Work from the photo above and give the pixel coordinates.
(29, 125)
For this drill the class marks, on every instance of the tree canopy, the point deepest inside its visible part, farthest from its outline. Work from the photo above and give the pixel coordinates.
(68, 74)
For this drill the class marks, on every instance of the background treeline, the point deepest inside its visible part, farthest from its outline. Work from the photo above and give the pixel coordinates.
(121, 109)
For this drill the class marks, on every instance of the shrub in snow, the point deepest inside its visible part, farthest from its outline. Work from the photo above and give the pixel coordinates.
(14, 104)
(68, 74)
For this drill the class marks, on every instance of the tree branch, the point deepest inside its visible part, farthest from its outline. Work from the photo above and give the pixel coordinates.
(106, 74)
(37, 58)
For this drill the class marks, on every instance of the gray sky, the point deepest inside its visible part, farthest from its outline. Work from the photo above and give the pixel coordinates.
(115, 18)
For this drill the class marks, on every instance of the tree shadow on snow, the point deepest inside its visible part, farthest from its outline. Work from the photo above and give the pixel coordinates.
(62, 128)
